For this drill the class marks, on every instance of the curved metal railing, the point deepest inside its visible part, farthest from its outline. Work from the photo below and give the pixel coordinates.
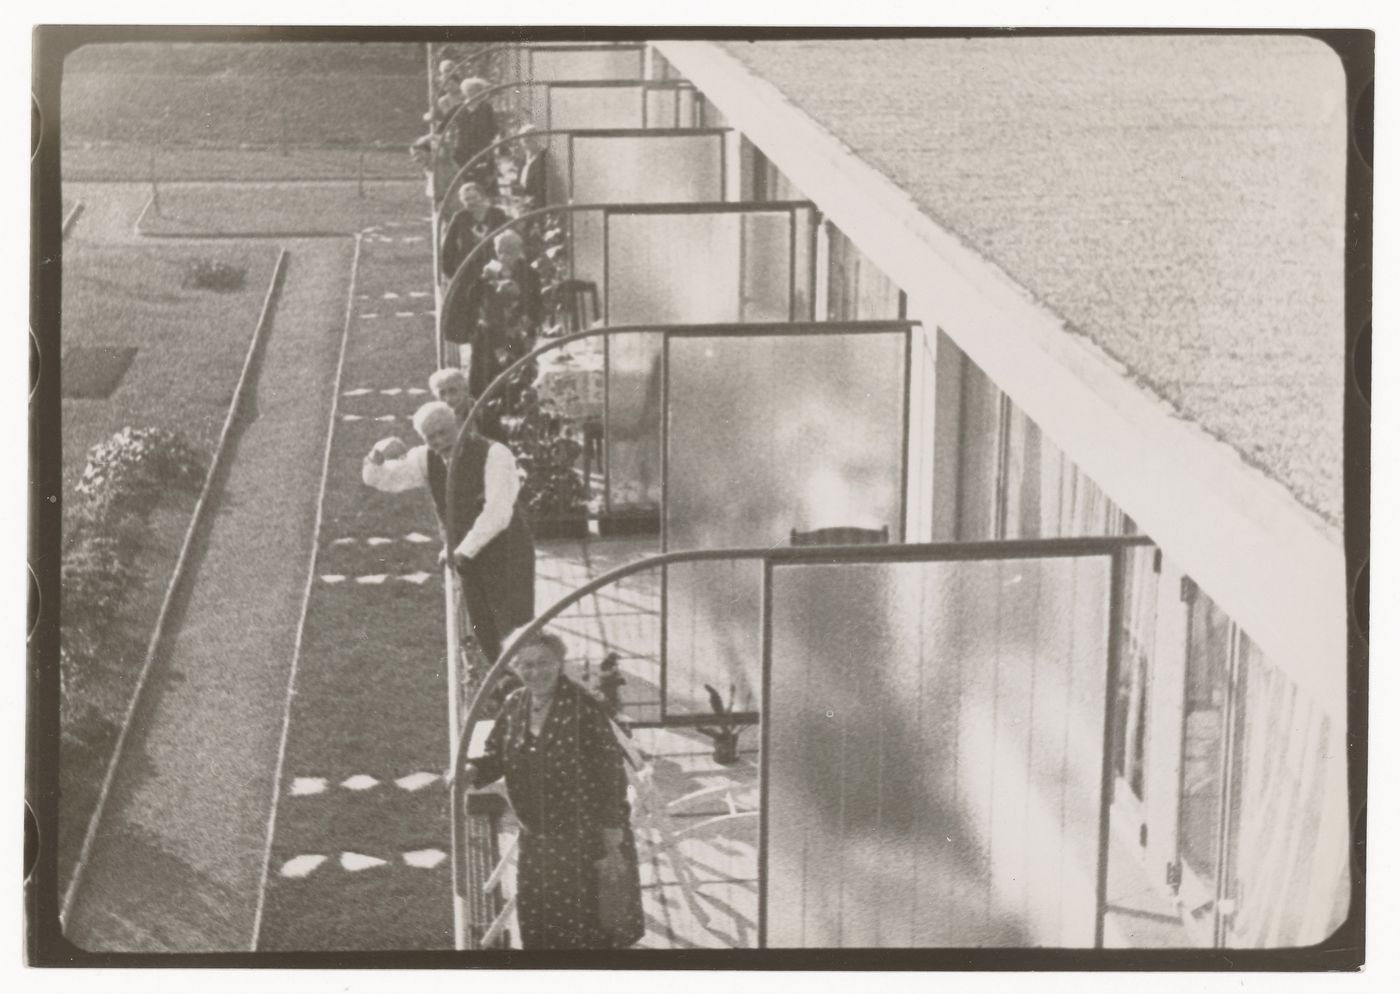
(456, 285)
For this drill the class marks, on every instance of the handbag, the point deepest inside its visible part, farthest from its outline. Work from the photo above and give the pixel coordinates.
(620, 899)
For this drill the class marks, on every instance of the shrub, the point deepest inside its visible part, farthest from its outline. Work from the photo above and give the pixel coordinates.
(213, 274)
(104, 528)
(128, 472)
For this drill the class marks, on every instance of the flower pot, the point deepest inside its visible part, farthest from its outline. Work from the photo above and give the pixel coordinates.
(726, 748)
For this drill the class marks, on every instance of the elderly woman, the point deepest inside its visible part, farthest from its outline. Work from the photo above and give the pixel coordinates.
(476, 219)
(553, 743)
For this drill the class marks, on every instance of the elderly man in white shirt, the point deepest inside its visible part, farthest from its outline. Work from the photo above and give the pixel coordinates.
(490, 543)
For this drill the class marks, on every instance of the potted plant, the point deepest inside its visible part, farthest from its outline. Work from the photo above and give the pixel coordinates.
(553, 490)
(725, 732)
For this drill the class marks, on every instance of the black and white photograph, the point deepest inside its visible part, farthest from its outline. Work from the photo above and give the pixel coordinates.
(600, 498)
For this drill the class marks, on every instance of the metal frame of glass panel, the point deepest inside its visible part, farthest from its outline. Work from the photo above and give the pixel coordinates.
(1113, 548)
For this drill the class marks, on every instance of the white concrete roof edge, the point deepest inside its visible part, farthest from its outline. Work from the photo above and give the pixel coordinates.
(1271, 563)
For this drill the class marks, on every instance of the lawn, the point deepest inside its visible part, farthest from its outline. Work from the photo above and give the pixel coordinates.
(371, 693)
(244, 94)
(191, 100)
(257, 210)
(191, 345)
(116, 161)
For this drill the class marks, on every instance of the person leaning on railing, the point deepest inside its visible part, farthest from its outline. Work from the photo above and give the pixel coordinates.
(474, 220)
(553, 743)
(495, 555)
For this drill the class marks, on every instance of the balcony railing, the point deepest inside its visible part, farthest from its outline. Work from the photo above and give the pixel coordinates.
(866, 728)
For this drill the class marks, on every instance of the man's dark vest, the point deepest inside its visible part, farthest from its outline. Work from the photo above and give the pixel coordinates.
(505, 567)
(437, 486)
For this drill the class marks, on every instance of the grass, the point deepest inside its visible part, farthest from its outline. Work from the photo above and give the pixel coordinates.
(371, 693)
(332, 209)
(191, 342)
(239, 93)
(191, 349)
(122, 161)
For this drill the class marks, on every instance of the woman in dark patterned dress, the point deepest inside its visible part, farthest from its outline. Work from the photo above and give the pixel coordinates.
(563, 768)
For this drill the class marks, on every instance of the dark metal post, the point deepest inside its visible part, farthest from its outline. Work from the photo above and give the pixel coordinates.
(1115, 622)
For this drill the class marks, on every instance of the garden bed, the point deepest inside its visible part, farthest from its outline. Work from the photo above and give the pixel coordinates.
(190, 348)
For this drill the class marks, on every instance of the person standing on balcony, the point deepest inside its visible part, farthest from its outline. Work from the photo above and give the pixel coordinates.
(476, 219)
(475, 127)
(488, 541)
(450, 386)
(563, 768)
(530, 181)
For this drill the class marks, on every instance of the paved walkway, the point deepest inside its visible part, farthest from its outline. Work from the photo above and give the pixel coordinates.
(179, 854)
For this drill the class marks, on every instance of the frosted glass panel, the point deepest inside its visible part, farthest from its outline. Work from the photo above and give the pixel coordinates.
(661, 108)
(600, 63)
(767, 266)
(673, 268)
(820, 417)
(577, 108)
(586, 252)
(935, 735)
(633, 421)
(713, 634)
(648, 169)
(662, 269)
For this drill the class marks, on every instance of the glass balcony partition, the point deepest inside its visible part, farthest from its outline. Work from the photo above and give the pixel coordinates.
(583, 61)
(769, 431)
(925, 763)
(650, 266)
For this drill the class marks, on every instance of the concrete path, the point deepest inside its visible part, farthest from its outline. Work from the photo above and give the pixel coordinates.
(177, 862)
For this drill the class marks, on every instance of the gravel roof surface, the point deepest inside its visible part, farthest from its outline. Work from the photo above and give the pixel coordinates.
(1179, 200)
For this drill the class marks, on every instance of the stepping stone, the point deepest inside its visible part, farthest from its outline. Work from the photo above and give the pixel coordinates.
(418, 578)
(358, 392)
(390, 295)
(424, 859)
(392, 391)
(377, 540)
(416, 391)
(332, 578)
(355, 862)
(374, 579)
(351, 417)
(387, 417)
(370, 314)
(418, 293)
(348, 540)
(418, 538)
(416, 781)
(360, 781)
(300, 866)
(302, 786)
(404, 314)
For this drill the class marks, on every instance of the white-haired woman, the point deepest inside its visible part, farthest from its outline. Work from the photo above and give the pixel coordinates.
(553, 743)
